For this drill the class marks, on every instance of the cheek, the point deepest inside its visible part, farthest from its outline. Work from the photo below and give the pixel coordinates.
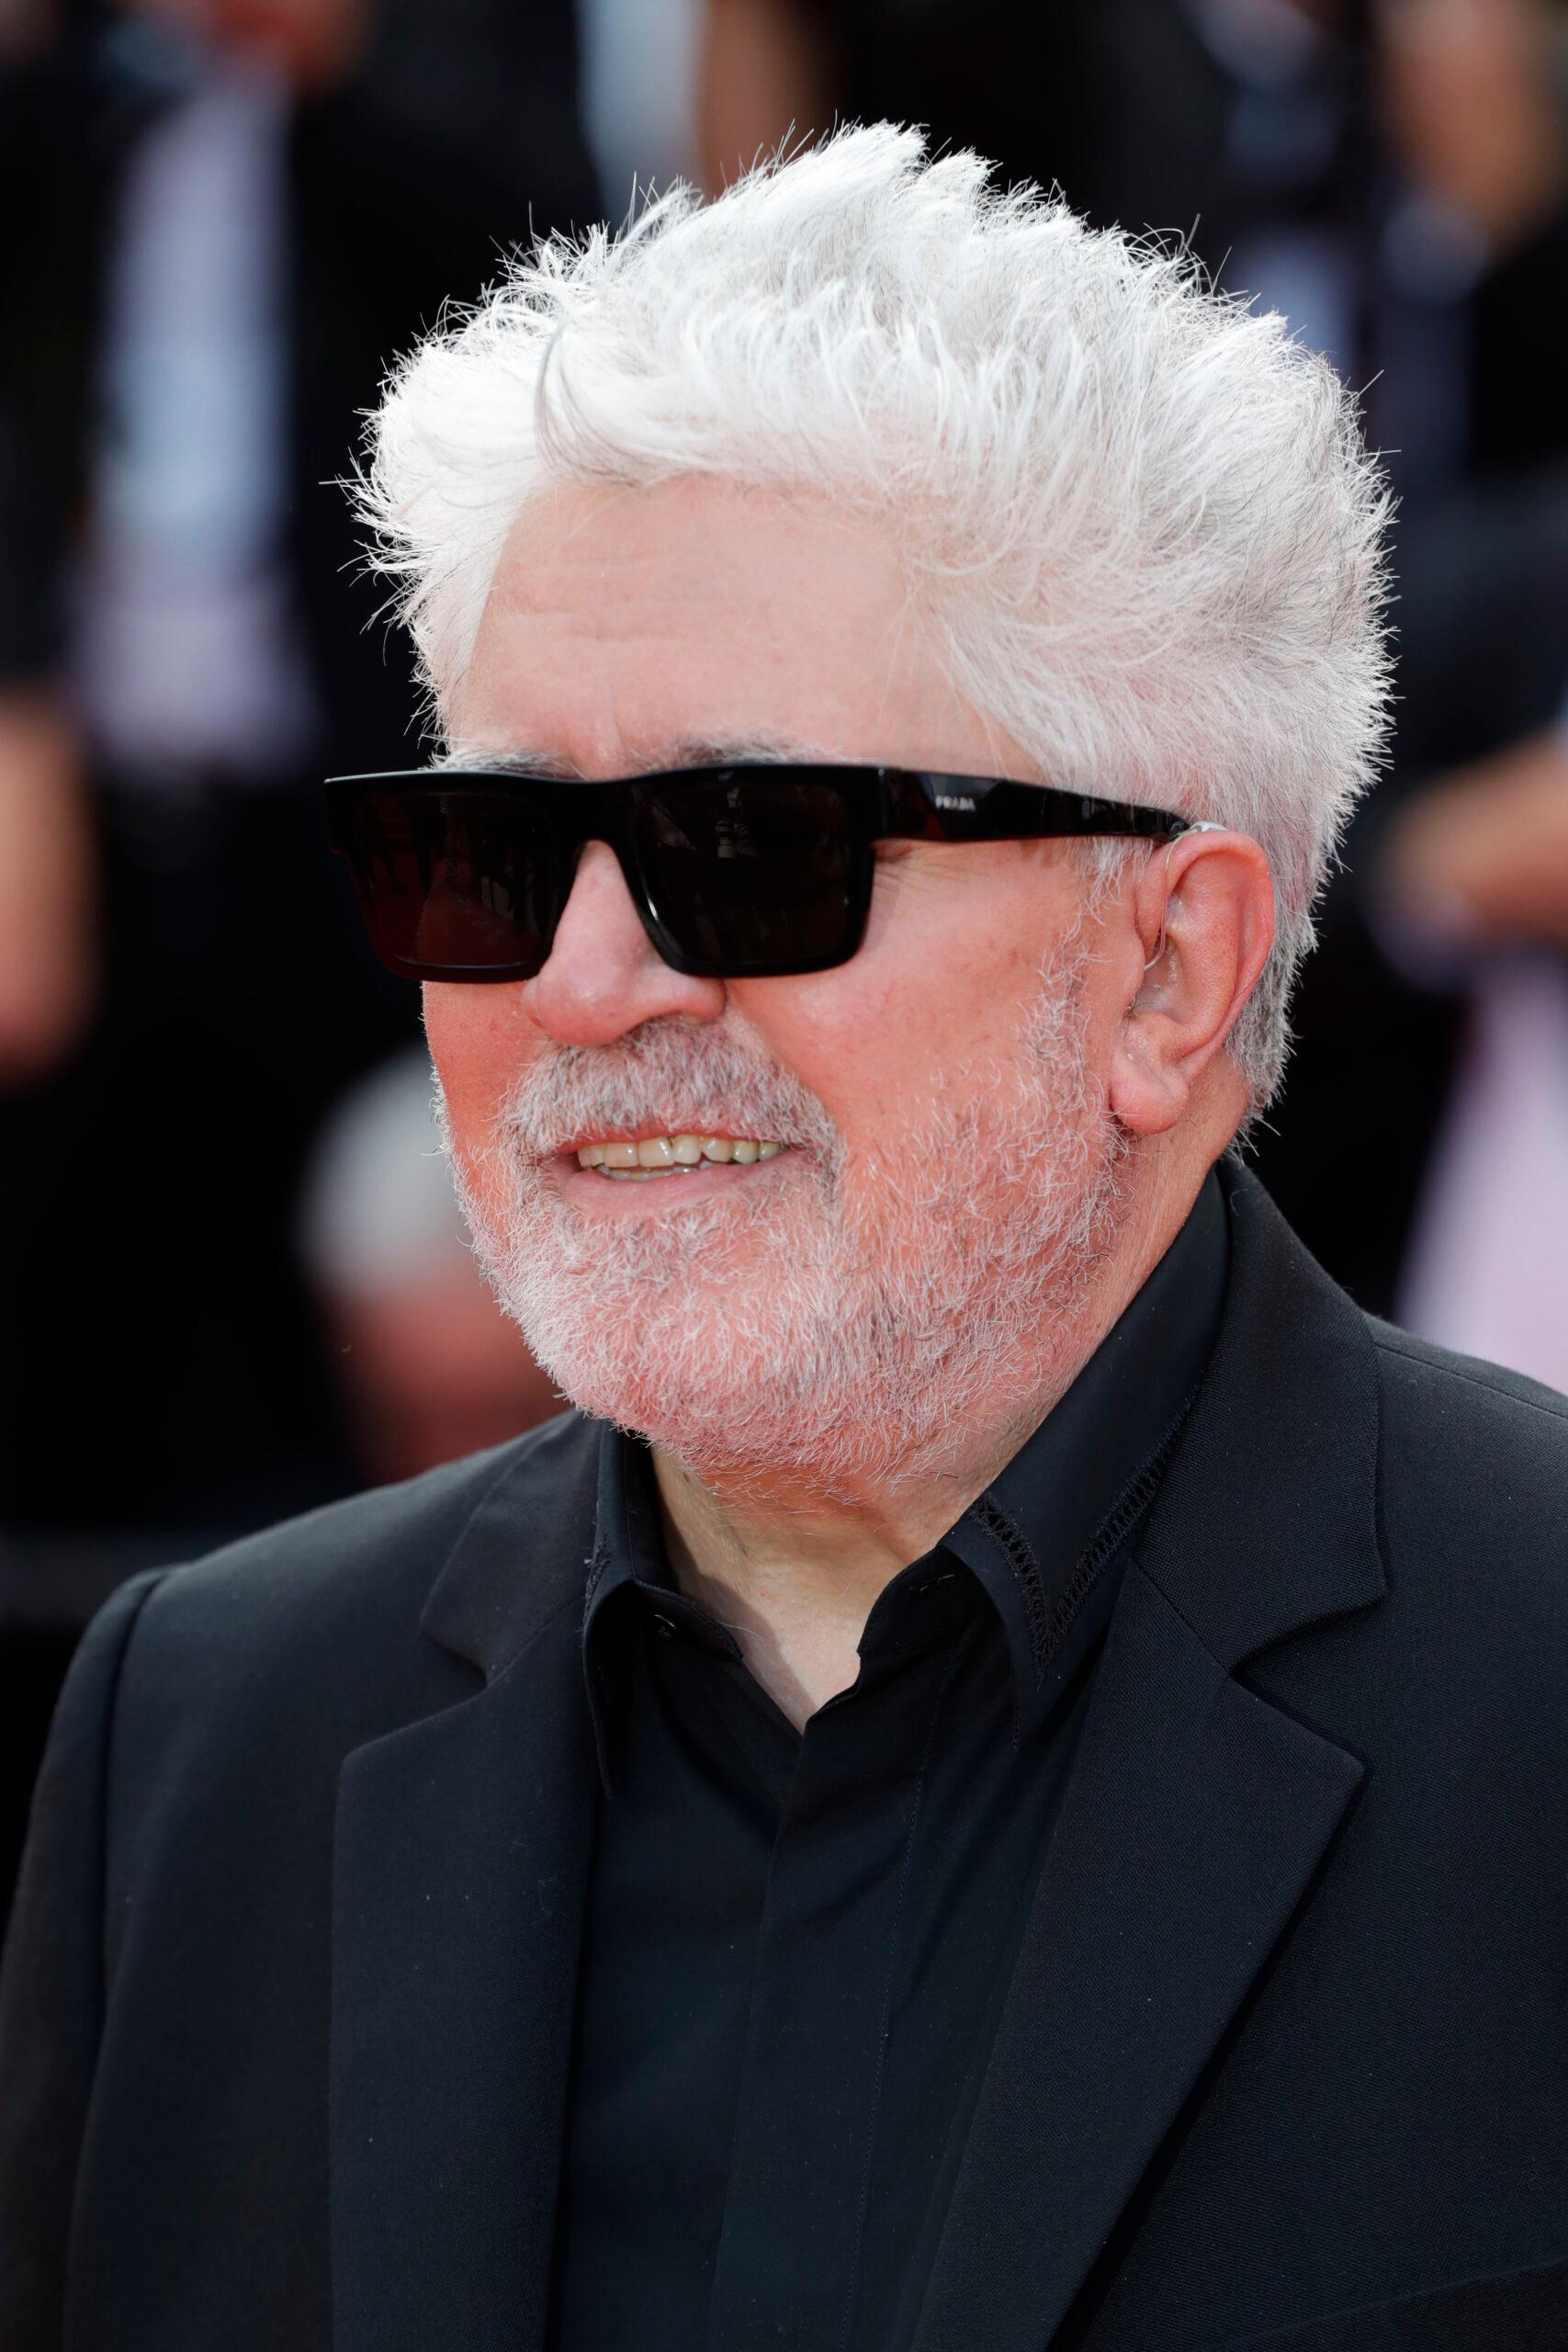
(479, 1041)
(880, 1039)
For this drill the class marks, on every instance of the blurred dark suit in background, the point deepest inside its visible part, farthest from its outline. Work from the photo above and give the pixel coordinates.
(218, 223)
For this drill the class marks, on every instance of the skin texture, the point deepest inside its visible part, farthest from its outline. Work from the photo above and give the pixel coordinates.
(626, 627)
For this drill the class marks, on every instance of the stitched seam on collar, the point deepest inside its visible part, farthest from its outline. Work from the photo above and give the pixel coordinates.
(1015, 1549)
(1112, 1532)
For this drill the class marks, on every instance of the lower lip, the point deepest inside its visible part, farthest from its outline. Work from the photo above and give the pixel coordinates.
(587, 1189)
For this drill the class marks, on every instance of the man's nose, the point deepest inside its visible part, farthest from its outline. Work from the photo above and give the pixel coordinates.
(603, 974)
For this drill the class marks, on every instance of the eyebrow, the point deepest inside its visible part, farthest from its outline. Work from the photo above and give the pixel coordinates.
(686, 752)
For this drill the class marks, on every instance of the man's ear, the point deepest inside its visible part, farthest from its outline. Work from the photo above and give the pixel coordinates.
(1204, 912)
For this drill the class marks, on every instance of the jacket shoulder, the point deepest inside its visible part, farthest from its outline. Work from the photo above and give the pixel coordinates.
(1474, 1471)
(1467, 1399)
(340, 1589)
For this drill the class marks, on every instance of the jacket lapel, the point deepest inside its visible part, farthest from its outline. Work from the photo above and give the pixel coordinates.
(1197, 1814)
(461, 1873)
(1194, 1820)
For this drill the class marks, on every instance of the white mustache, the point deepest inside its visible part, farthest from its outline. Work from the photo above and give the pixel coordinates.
(682, 1080)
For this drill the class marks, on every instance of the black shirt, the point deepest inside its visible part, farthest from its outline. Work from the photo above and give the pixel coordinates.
(798, 1943)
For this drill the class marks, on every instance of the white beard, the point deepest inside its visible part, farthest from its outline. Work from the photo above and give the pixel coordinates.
(833, 1325)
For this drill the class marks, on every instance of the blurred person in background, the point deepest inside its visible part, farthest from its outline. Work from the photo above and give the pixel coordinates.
(428, 1366)
(1393, 180)
(219, 219)
(1000, 1781)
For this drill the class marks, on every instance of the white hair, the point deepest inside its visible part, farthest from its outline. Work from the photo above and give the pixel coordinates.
(1137, 518)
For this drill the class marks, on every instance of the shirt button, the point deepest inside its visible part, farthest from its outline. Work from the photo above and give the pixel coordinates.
(664, 1627)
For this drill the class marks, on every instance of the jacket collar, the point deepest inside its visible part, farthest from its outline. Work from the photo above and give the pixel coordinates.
(1285, 1430)
(524, 1553)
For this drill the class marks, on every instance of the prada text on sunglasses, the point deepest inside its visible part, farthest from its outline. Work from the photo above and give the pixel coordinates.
(737, 872)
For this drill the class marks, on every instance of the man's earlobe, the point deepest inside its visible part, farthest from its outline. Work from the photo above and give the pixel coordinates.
(1204, 912)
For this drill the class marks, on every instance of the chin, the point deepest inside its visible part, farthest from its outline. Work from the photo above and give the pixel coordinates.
(689, 1369)
(828, 1400)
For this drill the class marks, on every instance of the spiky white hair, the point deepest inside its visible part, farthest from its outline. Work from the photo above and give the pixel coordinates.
(1138, 518)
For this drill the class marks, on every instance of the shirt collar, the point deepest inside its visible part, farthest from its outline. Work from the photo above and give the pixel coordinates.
(1050, 1520)
(1057, 1512)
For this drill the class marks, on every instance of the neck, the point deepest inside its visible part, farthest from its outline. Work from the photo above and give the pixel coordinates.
(794, 1573)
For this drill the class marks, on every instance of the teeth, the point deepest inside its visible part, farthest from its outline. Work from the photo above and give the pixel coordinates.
(656, 1155)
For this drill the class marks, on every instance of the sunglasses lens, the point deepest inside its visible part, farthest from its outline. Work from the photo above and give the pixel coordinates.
(750, 872)
(456, 885)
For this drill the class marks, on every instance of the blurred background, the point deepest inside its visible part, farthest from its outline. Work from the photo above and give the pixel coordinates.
(232, 1279)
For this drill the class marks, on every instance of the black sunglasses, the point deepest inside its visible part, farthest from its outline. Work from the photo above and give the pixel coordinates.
(737, 873)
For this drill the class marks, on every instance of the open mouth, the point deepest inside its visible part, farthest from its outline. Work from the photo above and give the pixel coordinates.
(625, 1161)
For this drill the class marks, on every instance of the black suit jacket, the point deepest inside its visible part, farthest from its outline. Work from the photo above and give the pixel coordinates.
(288, 2000)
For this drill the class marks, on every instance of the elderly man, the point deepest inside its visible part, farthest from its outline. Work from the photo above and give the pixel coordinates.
(999, 1782)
